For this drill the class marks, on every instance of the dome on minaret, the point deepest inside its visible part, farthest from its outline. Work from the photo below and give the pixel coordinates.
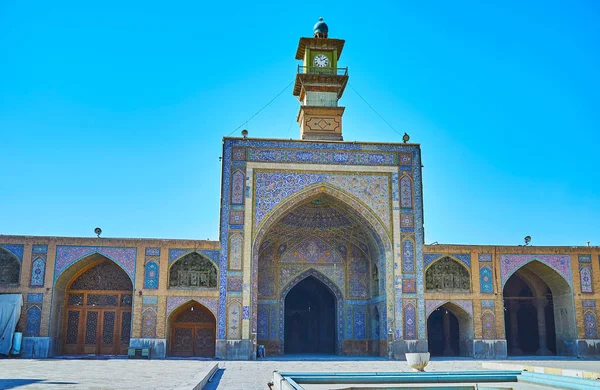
(320, 30)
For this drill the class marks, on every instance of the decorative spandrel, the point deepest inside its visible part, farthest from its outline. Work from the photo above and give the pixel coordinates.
(104, 276)
(447, 275)
(193, 270)
(10, 268)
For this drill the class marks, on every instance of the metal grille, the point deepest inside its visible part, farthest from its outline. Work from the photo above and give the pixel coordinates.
(108, 327)
(72, 327)
(91, 327)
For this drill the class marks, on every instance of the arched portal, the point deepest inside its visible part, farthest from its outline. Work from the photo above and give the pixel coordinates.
(98, 310)
(450, 331)
(310, 317)
(328, 234)
(193, 331)
(539, 315)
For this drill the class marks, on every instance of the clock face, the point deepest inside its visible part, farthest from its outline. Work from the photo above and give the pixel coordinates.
(321, 60)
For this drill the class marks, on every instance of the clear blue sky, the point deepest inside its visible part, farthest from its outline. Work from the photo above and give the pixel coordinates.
(112, 113)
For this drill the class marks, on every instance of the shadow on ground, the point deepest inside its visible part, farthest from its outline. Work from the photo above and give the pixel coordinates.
(14, 383)
(215, 380)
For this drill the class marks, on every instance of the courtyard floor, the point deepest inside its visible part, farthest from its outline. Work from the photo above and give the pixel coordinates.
(61, 374)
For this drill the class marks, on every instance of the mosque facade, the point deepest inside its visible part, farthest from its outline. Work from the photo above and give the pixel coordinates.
(321, 251)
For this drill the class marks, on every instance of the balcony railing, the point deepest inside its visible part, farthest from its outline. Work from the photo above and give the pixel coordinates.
(318, 70)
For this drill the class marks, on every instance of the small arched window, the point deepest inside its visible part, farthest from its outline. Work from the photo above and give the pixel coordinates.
(193, 270)
(375, 281)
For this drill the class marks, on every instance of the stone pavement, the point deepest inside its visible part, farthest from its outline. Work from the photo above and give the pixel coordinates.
(61, 374)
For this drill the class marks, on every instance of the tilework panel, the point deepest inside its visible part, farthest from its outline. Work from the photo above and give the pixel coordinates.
(465, 258)
(408, 256)
(486, 280)
(151, 275)
(236, 217)
(67, 255)
(406, 192)
(406, 220)
(585, 258)
(149, 320)
(39, 249)
(485, 257)
(34, 318)
(263, 322)
(465, 304)
(150, 300)
(312, 250)
(405, 158)
(236, 247)
(409, 286)
(34, 298)
(152, 251)
(360, 323)
(591, 324)
(274, 325)
(358, 274)
(488, 324)
(410, 321)
(245, 312)
(16, 250)
(560, 263)
(321, 157)
(488, 303)
(38, 272)
(588, 303)
(239, 154)
(273, 187)
(266, 273)
(238, 185)
(585, 274)
(210, 303)
(428, 258)
(234, 283)
(234, 320)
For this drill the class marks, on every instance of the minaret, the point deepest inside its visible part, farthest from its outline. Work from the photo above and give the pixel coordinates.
(319, 85)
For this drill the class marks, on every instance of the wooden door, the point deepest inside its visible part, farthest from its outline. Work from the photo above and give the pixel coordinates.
(91, 331)
(183, 341)
(204, 341)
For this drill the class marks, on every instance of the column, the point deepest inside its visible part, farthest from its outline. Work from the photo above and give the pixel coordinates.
(540, 305)
(447, 348)
(513, 307)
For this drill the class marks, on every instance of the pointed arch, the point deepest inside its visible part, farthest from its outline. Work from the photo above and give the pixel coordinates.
(331, 286)
(378, 232)
(463, 311)
(193, 270)
(192, 330)
(447, 274)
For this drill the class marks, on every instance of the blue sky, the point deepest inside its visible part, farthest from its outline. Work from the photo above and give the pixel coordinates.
(112, 114)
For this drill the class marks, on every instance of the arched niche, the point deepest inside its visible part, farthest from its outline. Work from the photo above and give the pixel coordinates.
(59, 309)
(98, 310)
(193, 271)
(447, 275)
(192, 331)
(10, 268)
(537, 294)
(450, 330)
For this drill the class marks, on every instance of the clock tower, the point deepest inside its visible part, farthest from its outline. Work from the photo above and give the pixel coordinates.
(319, 85)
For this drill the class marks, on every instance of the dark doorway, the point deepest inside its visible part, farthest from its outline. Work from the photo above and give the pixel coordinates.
(310, 318)
(529, 315)
(443, 333)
